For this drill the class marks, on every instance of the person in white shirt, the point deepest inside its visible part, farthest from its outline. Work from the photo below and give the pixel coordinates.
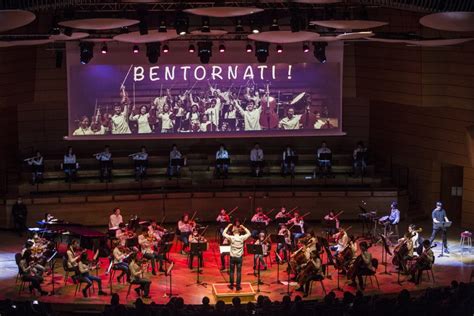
(185, 227)
(206, 125)
(214, 111)
(105, 164)
(84, 128)
(167, 119)
(174, 169)
(324, 164)
(119, 121)
(179, 116)
(118, 260)
(230, 115)
(115, 219)
(291, 121)
(288, 161)
(70, 165)
(360, 159)
(251, 116)
(143, 119)
(297, 221)
(146, 246)
(193, 119)
(140, 160)
(37, 167)
(222, 166)
(319, 123)
(256, 160)
(237, 243)
(283, 214)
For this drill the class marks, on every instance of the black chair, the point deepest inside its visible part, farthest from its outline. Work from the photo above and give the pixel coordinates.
(372, 274)
(112, 274)
(67, 270)
(23, 283)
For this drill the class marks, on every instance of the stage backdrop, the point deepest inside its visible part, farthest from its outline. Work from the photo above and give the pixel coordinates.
(120, 95)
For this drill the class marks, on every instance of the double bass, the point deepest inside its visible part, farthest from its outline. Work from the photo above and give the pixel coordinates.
(308, 119)
(268, 116)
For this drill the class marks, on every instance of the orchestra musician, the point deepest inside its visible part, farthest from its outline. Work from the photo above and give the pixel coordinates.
(393, 218)
(324, 164)
(403, 252)
(251, 115)
(119, 120)
(291, 121)
(83, 128)
(259, 259)
(195, 237)
(311, 271)
(146, 244)
(70, 165)
(29, 273)
(222, 166)
(140, 159)
(288, 162)
(237, 242)
(283, 214)
(174, 169)
(222, 220)
(225, 242)
(120, 253)
(416, 239)
(19, 214)
(37, 167)
(49, 218)
(296, 221)
(283, 247)
(423, 262)
(256, 160)
(105, 164)
(332, 218)
(341, 238)
(73, 256)
(137, 271)
(259, 219)
(156, 230)
(115, 219)
(439, 217)
(84, 268)
(185, 227)
(359, 156)
(123, 234)
(361, 266)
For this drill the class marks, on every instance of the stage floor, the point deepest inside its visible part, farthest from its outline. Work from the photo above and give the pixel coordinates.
(446, 269)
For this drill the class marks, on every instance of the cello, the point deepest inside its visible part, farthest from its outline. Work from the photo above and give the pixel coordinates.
(268, 116)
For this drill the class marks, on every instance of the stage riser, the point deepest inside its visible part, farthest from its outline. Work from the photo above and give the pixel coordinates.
(94, 210)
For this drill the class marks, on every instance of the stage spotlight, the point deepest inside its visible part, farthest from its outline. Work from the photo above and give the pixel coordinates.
(67, 31)
(238, 26)
(191, 48)
(136, 49)
(256, 28)
(205, 27)
(166, 48)
(104, 49)
(181, 23)
(221, 48)
(204, 51)
(123, 30)
(305, 47)
(274, 26)
(261, 51)
(86, 52)
(248, 48)
(320, 51)
(162, 26)
(153, 52)
(279, 49)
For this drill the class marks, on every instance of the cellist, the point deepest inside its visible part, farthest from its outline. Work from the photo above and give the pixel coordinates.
(402, 252)
(312, 271)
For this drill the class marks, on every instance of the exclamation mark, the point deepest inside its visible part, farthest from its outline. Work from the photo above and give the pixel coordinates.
(289, 71)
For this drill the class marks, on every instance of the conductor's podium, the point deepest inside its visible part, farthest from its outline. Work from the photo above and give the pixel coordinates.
(222, 292)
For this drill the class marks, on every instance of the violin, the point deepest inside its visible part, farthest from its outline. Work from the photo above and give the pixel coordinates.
(268, 118)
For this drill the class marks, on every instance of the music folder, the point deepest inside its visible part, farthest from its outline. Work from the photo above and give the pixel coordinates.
(223, 161)
(177, 162)
(325, 156)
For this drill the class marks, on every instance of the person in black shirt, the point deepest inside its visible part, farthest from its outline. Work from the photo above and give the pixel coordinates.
(19, 213)
(439, 216)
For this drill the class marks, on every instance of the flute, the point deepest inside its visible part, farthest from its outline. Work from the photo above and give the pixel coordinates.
(134, 154)
(29, 159)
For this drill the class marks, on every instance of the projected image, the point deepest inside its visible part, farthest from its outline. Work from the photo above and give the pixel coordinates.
(220, 99)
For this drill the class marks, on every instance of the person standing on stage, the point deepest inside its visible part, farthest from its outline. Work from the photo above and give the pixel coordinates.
(19, 214)
(174, 154)
(439, 216)
(237, 242)
(105, 164)
(140, 160)
(70, 165)
(288, 166)
(291, 121)
(324, 164)
(251, 116)
(333, 220)
(393, 218)
(115, 219)
(185, 227)
(256, 160)
(37, 167)
(222, 168)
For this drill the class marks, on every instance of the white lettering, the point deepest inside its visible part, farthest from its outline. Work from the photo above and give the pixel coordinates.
(203, 71)
(185, 72)
(138, 73)
(216, 72)
(248, 73)
(169, 74)
(232, 73)
(273, 72)
(262, 68)
(154, 74)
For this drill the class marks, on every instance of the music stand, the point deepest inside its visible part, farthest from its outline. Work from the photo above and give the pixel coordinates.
(256, 250)
(164, 250)
(325, 156)
(291, 159)
(443, 226)
(167, 239)
(260, 164)
(278, 239)
(198, 248)
(51, 260)
(169, 273)
(385, 252)
(223, 161)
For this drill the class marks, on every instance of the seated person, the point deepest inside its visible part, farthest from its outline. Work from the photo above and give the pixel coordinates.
(173, 168)
(195, 238)
(403, 252)
(423, 262)
(360, 159)
(29, 273)
(364, 267)
(393, 218)
(324, 164)
(37, 168)
(256, 160)
(136, 273)
(288, 162)
(105, 164)
(283, 248)
(260, 222)
(222, 167)
(141, 163)
(86, 277)
(342, 240)
(118, 259)
(313, 272)
(70, 165)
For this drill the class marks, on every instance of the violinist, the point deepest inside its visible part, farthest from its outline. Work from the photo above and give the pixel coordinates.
(256, 160)
(105, 164)
(259, 259)
(341, 238)
(84, 268)
(291, 121)
(402, 252)
(251, 115)
(195, 238)
(73, 257)
(123, 234)
(185, 227)
(332, 221)
(136, 271)
(296, 222)
(70, 165)
(37, 167)
(260, 220)
(140, 160)
(289, 161)
(423, 262)
(222, 162)
(120, 253)
(222, 220)
(146, 244)
(285, 247)
(115, 218)
(30, 274)
(283, 214)
(156, 230)
(361, 266)
(49, 218)
(312, 271)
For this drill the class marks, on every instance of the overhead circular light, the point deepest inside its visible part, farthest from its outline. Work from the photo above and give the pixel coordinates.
(284, 37)
(224, 12)
(449, 21)
(349, 24)
(12, 19)
(98, 24)
(152, 36)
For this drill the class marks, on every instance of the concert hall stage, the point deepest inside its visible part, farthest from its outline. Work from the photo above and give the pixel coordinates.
(446, 269)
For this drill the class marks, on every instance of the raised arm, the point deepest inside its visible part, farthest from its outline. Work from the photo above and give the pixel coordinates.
(224, 233)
